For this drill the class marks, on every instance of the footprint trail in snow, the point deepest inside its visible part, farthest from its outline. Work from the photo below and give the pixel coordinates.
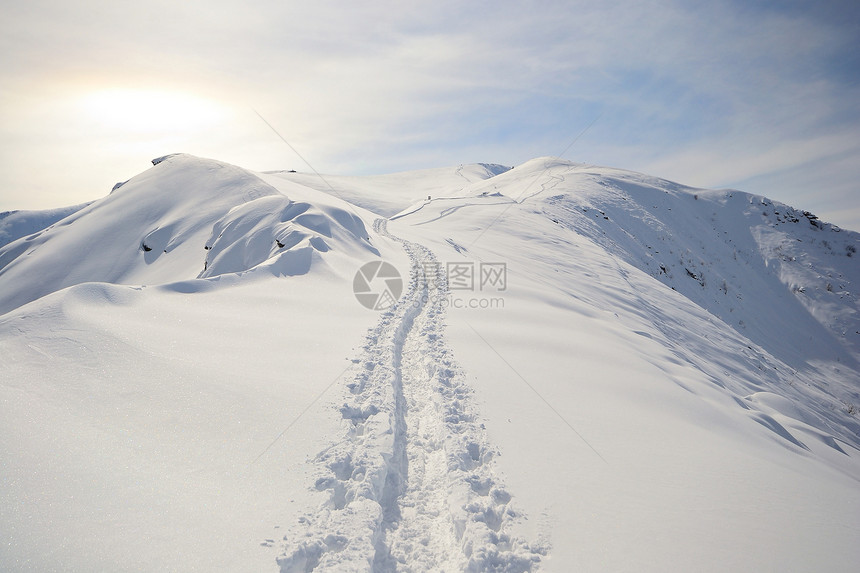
(410, 487)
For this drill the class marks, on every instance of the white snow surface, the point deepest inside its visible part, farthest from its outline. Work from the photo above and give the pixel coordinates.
(666, 379)
(16, 224)
(388, 194)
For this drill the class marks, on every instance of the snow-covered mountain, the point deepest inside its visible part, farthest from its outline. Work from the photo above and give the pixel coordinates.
(571, 368)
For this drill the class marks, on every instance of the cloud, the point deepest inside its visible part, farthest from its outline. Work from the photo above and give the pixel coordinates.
(697, 91)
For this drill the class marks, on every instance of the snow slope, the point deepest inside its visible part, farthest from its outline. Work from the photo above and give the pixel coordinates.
(185, 218)
(642, 431)
(388, 194)
(666, 379)
(16, 224)
(133, 413)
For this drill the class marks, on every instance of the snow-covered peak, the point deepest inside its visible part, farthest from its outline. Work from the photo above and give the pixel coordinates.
(184, 218)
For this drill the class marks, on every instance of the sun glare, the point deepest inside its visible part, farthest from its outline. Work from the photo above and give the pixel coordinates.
(151, 111)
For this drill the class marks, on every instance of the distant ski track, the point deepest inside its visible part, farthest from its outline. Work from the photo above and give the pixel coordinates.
(556, 180)
(410, 487)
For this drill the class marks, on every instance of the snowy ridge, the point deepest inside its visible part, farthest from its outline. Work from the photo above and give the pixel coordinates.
(385, 195)
(184, 218)
(411, 487)
(776, 281)
(716, 247)
(778, 276)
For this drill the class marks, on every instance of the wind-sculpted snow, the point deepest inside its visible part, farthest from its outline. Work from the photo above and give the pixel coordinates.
(279, 234)
(411, 486)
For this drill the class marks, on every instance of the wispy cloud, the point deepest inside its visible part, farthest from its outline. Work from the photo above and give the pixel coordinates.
(700, 92)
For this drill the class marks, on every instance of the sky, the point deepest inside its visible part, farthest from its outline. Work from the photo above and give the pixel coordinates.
(761, 96)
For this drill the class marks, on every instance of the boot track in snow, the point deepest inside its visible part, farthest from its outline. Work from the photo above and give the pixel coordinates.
(410, 486)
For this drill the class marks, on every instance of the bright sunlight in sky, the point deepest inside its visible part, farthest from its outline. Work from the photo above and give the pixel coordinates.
(138, 113)
(757, 95)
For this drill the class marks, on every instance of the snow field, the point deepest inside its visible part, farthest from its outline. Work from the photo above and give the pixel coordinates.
(188, 382)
